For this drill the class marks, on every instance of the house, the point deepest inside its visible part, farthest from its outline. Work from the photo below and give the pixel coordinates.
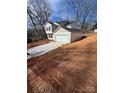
(61, 33)
(75, 25)
(91, 27)
(50, 28)
(66, 35)
(63, 23)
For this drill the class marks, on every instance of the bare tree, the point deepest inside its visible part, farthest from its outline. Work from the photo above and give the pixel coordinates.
(63, 11)
(79, 10)
(40, 13)
(29, 12)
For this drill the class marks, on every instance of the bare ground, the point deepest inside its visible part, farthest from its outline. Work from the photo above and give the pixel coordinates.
(37, 43)
(68, 69)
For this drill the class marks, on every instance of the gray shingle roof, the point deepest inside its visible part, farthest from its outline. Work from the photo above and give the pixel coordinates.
(75, 25)
(63, 23)
(54, 27)
(73, 30)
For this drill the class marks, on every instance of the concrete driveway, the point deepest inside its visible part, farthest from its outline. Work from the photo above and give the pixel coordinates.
(42, 49)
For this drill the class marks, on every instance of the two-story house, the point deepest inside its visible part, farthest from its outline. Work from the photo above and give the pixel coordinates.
(59, 32)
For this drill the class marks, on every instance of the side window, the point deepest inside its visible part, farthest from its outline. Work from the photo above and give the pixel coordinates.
(46, 28)
(49, 28)
(51, 36)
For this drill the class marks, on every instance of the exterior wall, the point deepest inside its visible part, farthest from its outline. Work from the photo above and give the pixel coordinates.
(75, 36)
(63, 32)
(50, 36)
(49, 32)
(47, 26)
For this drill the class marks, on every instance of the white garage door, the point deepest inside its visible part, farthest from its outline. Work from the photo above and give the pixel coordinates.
(62, 38)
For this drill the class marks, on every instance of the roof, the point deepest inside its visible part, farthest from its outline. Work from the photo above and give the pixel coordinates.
(50, 22)
(54, 27)
(69, 29)
(73, 30)
(76, 25)
(63, 23)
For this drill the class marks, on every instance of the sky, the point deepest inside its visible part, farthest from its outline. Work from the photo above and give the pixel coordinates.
(54, 7)
(54, 3)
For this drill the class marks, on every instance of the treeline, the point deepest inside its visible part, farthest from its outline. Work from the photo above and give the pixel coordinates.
(84, 11)
(39, 12)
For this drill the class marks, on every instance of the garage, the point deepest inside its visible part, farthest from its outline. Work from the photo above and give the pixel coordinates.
(62, 35)
(62, 38)
(66, 35)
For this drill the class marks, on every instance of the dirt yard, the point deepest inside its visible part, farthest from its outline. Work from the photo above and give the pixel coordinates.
(68, 69)
(37, 43)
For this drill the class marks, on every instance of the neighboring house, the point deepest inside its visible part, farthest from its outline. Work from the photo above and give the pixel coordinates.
(95, 30)
(91, 27)
(61, 33)
(95, 27)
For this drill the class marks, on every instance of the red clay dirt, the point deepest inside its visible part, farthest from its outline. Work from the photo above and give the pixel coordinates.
(68, 69)
(37, 43)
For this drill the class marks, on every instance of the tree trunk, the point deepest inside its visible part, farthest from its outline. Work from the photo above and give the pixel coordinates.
(82, 27)
(44, 32)
(33, 22)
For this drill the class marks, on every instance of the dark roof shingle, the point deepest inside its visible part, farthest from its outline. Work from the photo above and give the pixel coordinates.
(72, 30)
(63, 23)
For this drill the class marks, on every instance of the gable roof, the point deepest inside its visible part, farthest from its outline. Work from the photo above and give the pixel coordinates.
(54, 26)
(68, 29)
(72, 30)
(75, 25)
(63, 23)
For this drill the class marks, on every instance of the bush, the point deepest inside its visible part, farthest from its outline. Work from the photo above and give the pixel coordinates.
(29, 40)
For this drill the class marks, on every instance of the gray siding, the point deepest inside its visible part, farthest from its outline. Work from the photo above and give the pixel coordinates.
(75, 36)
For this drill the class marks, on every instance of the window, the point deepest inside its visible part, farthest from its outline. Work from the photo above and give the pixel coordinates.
(49, 28)
(46, 29)
(51, 36)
